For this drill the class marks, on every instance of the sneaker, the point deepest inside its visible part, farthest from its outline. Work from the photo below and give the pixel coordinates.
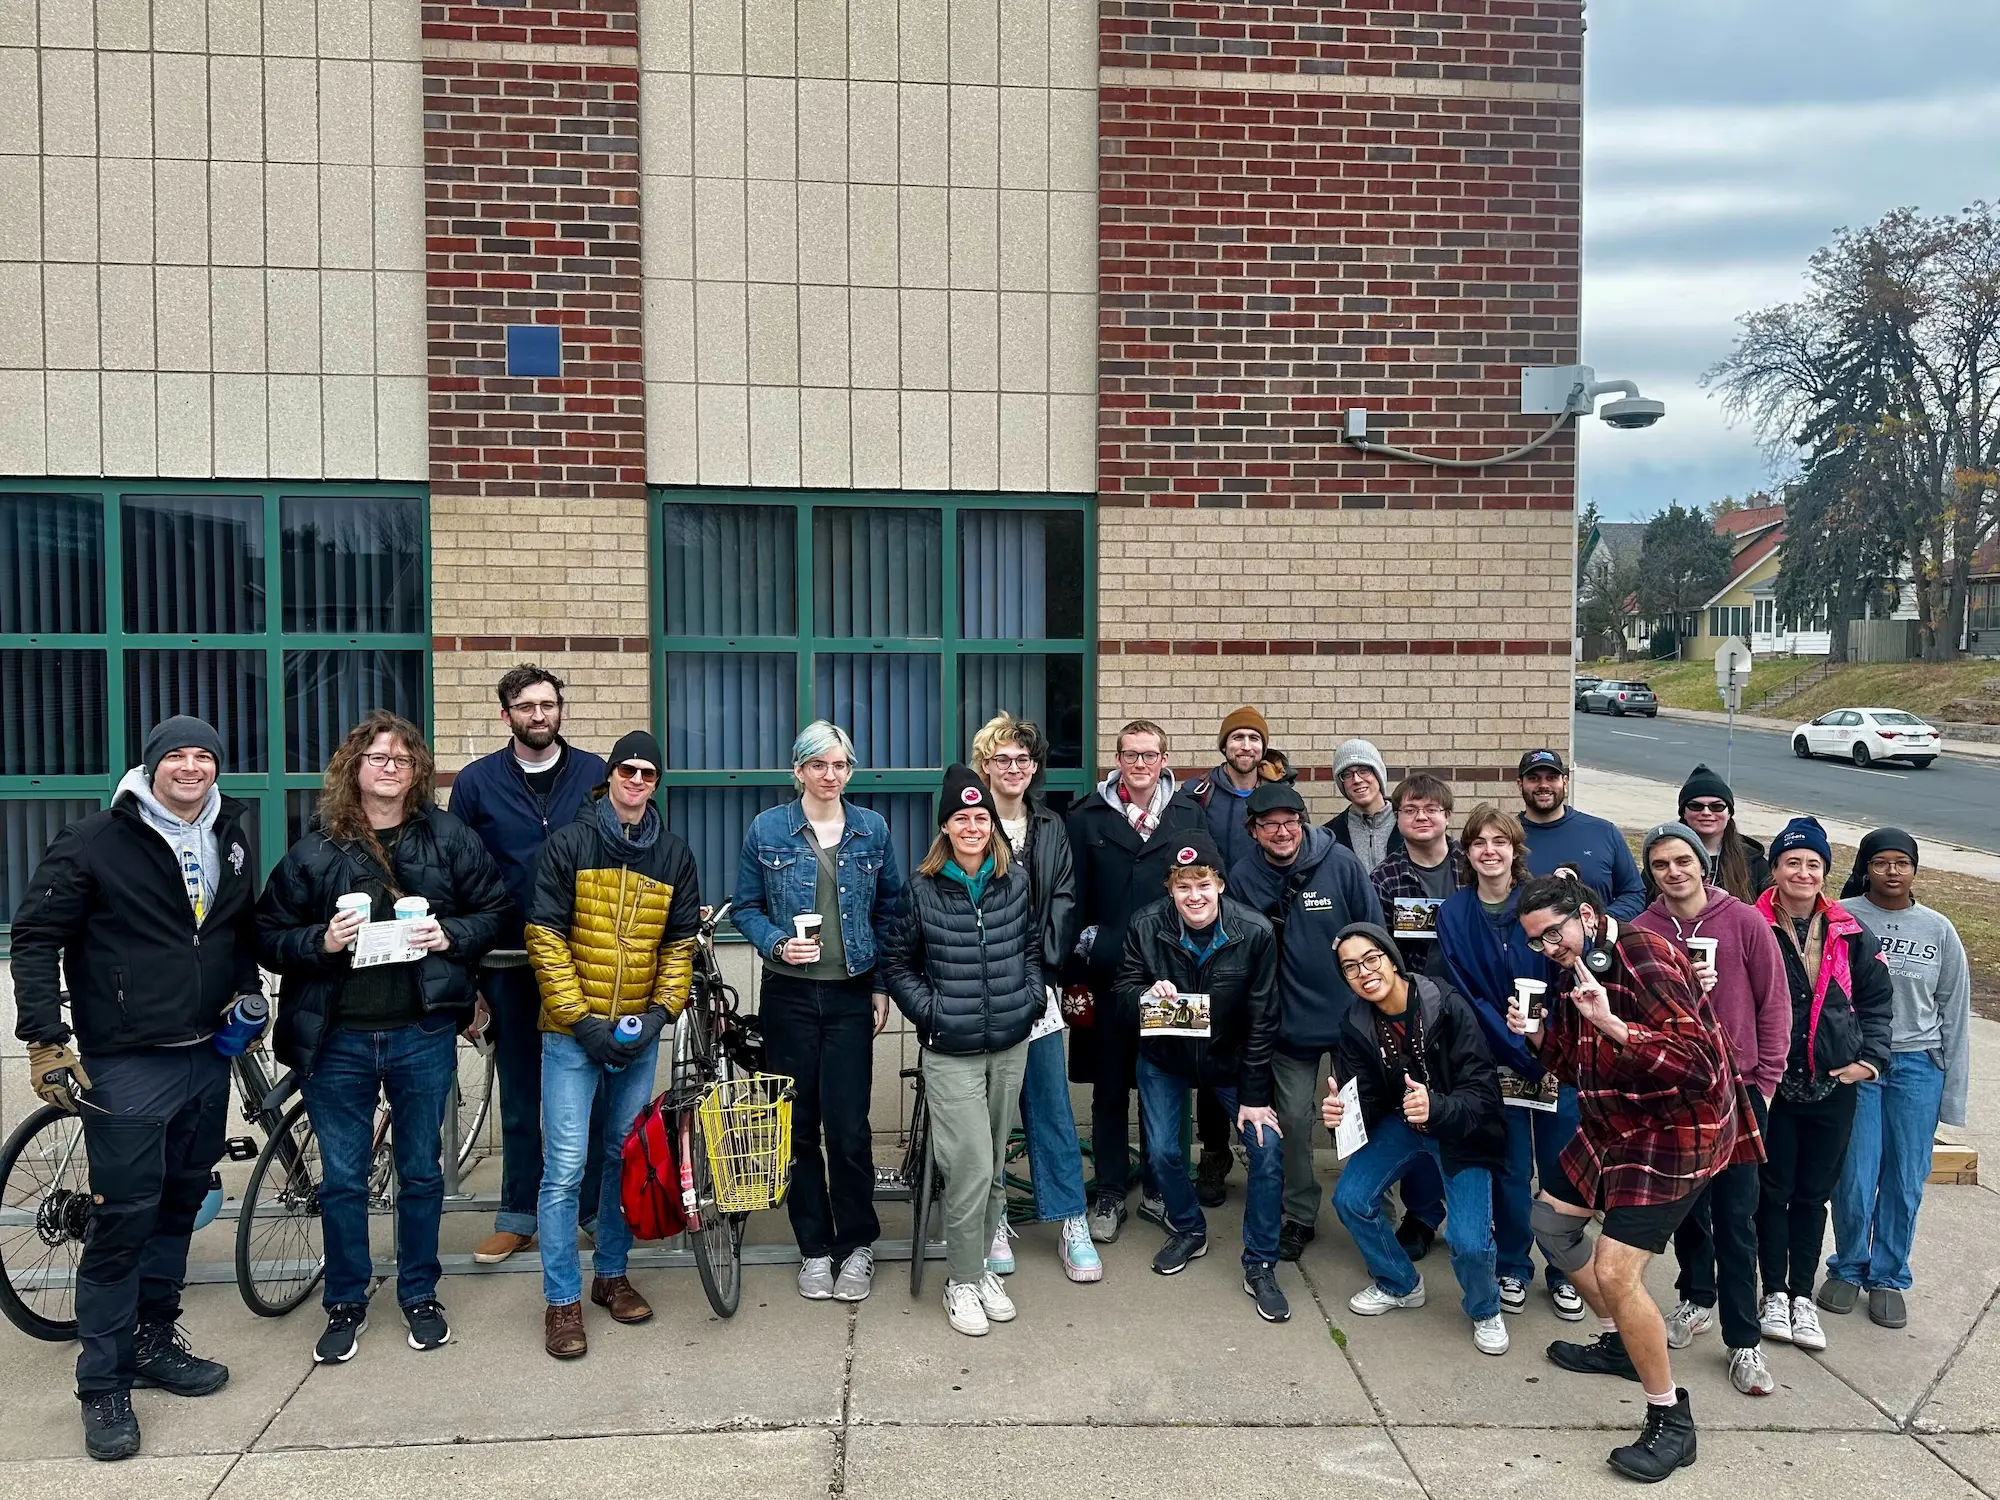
(1838, 1296)
(1080, 1261)
(501, 1244)
(110, 1429)
(1179, 1249)
(1749, 1374)
(1489, 1335)
(1416, 1237)
(1293, 1239)
(1606, 1356)
(1154, 1211)
(345, 1323)
(1885, 1307)
(1513, 1294)
(1000, 1254)
(857, 1276)
(1371, 1301)
(1666, 1443)
(1774, 1317)
(993, 1299)
(1211, 1179)
(428, 1328)
(1568, 1301)
(963, 1308)
(816, 1278)
(1107, 1217)
(1261, 1282)
(1685, 1321)
(162, 1360)
(1806, 1332)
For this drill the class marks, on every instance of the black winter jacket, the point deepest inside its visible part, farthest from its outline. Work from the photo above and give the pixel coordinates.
(1847, 1023)
(1241, 980)
(1466, 1113)
(1051, 884)
(969, 979)
(438, 858)
(109, 901)
(1117, 873)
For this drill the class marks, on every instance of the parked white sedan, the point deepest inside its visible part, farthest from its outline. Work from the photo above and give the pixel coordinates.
(1868, 734)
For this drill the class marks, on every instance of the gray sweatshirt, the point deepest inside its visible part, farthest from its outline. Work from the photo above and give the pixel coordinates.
(193, 843)
(1933, 986)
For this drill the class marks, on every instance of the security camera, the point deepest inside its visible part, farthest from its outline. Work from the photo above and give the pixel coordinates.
(1556, 390)
(1633, 412)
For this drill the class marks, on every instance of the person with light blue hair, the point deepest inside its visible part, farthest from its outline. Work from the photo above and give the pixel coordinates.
(816, 888)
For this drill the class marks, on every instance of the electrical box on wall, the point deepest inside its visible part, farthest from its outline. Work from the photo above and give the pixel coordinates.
(1548, 389)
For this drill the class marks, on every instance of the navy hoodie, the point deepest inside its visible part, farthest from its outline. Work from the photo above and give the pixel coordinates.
(1329, 889)
(1596, 851)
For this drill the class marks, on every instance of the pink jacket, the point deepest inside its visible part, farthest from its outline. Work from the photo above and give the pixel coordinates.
(1752, 997)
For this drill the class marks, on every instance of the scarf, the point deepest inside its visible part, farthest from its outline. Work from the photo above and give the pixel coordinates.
(627, 841)
(1144, 817)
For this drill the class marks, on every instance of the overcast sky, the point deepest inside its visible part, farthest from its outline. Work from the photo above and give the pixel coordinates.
(1724, 141)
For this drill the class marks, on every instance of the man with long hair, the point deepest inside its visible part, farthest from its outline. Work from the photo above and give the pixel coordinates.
(355, 1035)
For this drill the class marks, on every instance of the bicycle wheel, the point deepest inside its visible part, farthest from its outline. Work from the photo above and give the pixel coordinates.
(280, 1247)
(718, 1244)
(476, 1071)
(44, 1210)
(921, 1170)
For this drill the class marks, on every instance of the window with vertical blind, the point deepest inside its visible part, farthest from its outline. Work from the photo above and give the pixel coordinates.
(280, 614)
(907, 619)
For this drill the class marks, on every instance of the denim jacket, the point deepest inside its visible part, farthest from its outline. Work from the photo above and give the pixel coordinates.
(778, 869)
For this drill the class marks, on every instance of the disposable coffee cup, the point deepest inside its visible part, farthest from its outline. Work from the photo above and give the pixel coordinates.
(805, 926)
(1528, 995)
(410, 908)
(1702, 950)
(359, 902)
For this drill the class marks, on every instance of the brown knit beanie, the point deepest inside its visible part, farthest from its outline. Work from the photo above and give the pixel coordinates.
(1244, 718)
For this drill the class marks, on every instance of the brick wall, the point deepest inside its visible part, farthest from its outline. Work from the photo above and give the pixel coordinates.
(1304, 209)
(531, 149)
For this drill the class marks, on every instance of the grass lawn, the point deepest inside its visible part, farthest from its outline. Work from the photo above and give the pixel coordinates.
(1913, 686)
(1691, 684)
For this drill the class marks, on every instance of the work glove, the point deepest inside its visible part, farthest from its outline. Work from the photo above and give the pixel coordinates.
(598, 1040)
(50, 1069)
(652, 1020)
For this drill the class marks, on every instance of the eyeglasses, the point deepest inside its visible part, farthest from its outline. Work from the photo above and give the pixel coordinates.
(1550, 936)
(1370, 962)
(1890, 865)
(1279, 825)
(1707, 805)
(1141, 757)
(1011, 762)
(827, 767)
(1422, 810)
(638, 773)
(382, 760)
(544, 707)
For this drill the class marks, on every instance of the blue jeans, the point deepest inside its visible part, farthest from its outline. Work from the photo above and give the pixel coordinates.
(570, 1081)
(414, 1067)
(1535, 1139)
(1882, 1181)
(1163, 1100)
(1054, 1161)
(1393, 1149)
(516, 1003)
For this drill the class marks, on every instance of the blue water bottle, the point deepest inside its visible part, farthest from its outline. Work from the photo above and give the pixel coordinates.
(628, 1029)
(242, 1025)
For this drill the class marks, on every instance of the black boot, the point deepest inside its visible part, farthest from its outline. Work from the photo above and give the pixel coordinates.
(1666, 1443)
(1605, 1357)
(110, 1430)
(162, 1360)
(1415, 1236)
(1210, 1177)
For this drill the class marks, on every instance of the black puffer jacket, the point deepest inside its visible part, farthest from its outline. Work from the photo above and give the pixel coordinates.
(1467, 1119)
(438, 858)
(1241, 980)
(1051, 883)
(969, 978)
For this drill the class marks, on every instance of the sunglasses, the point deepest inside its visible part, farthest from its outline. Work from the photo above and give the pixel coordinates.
(638, 773)
(1707, 805)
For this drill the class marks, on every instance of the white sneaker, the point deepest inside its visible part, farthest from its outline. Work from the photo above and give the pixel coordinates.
(999, 1307)
(1687, 1320)
(1774, 1317)
(1806, 1332)
(1749, 1374)
(857, 1277)
(962, 1307)
(1000, 1254)
(1513, 1294)
(1371, 1301)
(1568, 1301)
(816, 1278)
(1489, 1335)
(1080, 1260)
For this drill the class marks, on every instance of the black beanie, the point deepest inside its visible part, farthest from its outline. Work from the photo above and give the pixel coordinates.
(1376, 935)
(637, 745)
(1192, 847)
(963, 789)
(181, 732)
(1702, 782)
(1881, 841)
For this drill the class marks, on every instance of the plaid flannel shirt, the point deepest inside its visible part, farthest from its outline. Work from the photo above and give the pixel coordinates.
(1396, 876)
(1665, 1112)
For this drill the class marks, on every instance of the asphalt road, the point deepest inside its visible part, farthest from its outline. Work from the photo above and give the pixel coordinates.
(1957, 799)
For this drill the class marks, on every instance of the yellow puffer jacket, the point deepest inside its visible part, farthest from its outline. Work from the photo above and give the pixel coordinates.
(612, 927)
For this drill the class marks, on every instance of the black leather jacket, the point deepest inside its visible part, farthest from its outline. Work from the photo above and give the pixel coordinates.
(969, 978)
(1051, 884)
(1241, 980)
(1467, 1118)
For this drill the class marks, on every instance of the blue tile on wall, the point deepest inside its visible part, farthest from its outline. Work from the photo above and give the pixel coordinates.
(534, 350)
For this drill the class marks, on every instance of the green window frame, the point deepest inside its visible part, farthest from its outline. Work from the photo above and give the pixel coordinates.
(804, 641)
(121, 645)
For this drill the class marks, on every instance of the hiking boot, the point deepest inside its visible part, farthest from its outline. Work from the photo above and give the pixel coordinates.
(1489, 1335)
(1080, 1260)
(1293, 1239)
(1605, 1357)
(1179, 1249)
(1372, 1301)
(1513, 1294)
(1774, 1317)
(1568, 1301)
(1416, 1237)
(1211, 1179)
(562, 1331)
(1885, 1307)
(993, 1299)
(500, 1244)
(1154, 1212)
(428, 1329)
(617, 1296)
(1666, 1443)
(857, 1276)
(162, 1360)
(1000, 1254)
(110, 1429)
(1838, 1296)
(1261, 1282)
(345, 1323)
(1806, 1332)
(816, 1278)
(963, 1308)
(1748, 1372)
(1107, 1217)
(1685, 1321)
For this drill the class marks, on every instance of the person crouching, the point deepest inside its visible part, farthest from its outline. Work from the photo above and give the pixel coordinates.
(964, 965)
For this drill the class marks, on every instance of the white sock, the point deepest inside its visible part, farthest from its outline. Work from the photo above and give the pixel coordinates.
(1671, 1398)
(1609, 1325)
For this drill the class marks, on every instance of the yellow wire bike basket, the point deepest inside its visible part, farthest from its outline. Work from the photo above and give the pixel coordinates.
(746, 1130)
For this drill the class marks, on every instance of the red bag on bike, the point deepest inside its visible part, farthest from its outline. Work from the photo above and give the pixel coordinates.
(649, 1185)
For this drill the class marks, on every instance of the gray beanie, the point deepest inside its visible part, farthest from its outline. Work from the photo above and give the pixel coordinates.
(1360, 753)
(1377, 935)
(181, 732)
(1686, 835)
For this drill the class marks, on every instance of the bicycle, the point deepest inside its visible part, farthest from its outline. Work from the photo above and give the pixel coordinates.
(921, 1177)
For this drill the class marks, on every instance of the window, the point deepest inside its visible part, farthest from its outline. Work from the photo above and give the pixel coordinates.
(1728, 619)
(279, 614)
(1766, 616)
(909, 620)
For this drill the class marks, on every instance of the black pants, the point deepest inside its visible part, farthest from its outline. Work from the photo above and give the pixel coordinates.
(1804, 1145)
(1113, 1057)
(516, 1003)
(823, 1034)
(1716, 1246)
(154, 1125)
(1212, 1125)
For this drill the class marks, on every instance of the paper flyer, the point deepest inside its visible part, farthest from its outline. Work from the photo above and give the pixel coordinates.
(384, 943)
(1416, 916)
(1351, 1134)
(1184, 1015)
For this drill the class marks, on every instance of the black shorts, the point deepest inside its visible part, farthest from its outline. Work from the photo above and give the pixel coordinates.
(1649, 1227)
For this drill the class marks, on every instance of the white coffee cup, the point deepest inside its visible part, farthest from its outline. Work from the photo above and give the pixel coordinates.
(411, 908)
(1702, 950)
(358, 902)
(1528, 998)
(805, 926)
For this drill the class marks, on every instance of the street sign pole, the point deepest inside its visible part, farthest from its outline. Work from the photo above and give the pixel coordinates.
(1732, 670)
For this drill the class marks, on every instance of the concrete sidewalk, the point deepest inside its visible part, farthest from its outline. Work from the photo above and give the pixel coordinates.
(1136, 1387)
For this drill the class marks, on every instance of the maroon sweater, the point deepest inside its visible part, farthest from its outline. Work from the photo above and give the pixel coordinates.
(1751, 996)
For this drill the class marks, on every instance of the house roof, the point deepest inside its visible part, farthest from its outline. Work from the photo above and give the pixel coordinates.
(1748, 557)
(1986, 561)
(1740, 523)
